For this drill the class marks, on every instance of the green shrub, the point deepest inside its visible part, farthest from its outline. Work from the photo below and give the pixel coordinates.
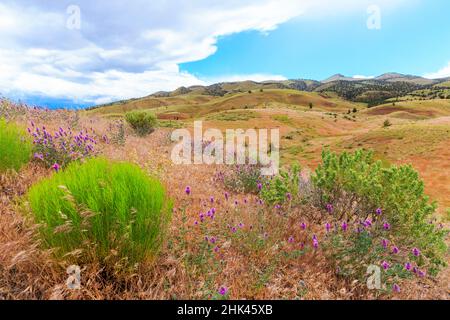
(143, 122)
(276, 189)
(15, 146)
(103, 208)
(357, 185)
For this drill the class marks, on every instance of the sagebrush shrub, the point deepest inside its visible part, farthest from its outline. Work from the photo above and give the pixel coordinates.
(359, 188)
(15, 146)
(143, 122)
(104, 208)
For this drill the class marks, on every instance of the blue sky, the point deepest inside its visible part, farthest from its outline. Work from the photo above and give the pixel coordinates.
(78, 53)
(412, 40)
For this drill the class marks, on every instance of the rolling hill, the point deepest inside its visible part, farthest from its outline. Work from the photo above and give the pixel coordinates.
(385, 88)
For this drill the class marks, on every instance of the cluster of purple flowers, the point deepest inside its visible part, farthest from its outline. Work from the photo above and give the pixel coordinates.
(376, 227)
(61, 147)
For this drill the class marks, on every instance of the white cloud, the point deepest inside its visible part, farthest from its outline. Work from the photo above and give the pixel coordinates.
(442, 73)
(130, 49)
(362, 77)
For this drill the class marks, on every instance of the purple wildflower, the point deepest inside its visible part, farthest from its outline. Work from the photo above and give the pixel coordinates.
(328, 226)
(395, 250)
(385, 265)
(396, 288)
(315, 242)
(378, 211)
(344, 226)
(408, 266)
(188, 190)
(39, 156)
(416, 252)
(386, 226)
(56, 167)
(291, 239)
(329, 208)
(223, 291)
(384, 243)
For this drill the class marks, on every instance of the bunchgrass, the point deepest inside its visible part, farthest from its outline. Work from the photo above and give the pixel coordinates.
(15, 146)
(100, 209)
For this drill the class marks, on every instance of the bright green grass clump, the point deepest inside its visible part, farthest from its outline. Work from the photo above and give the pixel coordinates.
(104, 208)
(15, 146)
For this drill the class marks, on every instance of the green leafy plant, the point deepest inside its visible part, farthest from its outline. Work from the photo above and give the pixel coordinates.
(15, 146)
(360, 188)
(143, 122)
(105, 209)
(276, 189)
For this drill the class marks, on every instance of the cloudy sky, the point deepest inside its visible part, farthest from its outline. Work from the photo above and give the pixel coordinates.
(93, 52)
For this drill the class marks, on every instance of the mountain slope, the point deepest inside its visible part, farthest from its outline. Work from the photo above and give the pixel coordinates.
(372, 91)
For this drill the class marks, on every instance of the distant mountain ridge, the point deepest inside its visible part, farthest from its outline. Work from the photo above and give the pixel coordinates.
(372, 91)
(223, 88)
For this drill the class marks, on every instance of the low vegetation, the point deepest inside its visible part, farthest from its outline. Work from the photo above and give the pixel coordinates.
(313, 231)
(15, 146)
(143, 122)
(58, 149)
(101, 210)
(361, 190)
